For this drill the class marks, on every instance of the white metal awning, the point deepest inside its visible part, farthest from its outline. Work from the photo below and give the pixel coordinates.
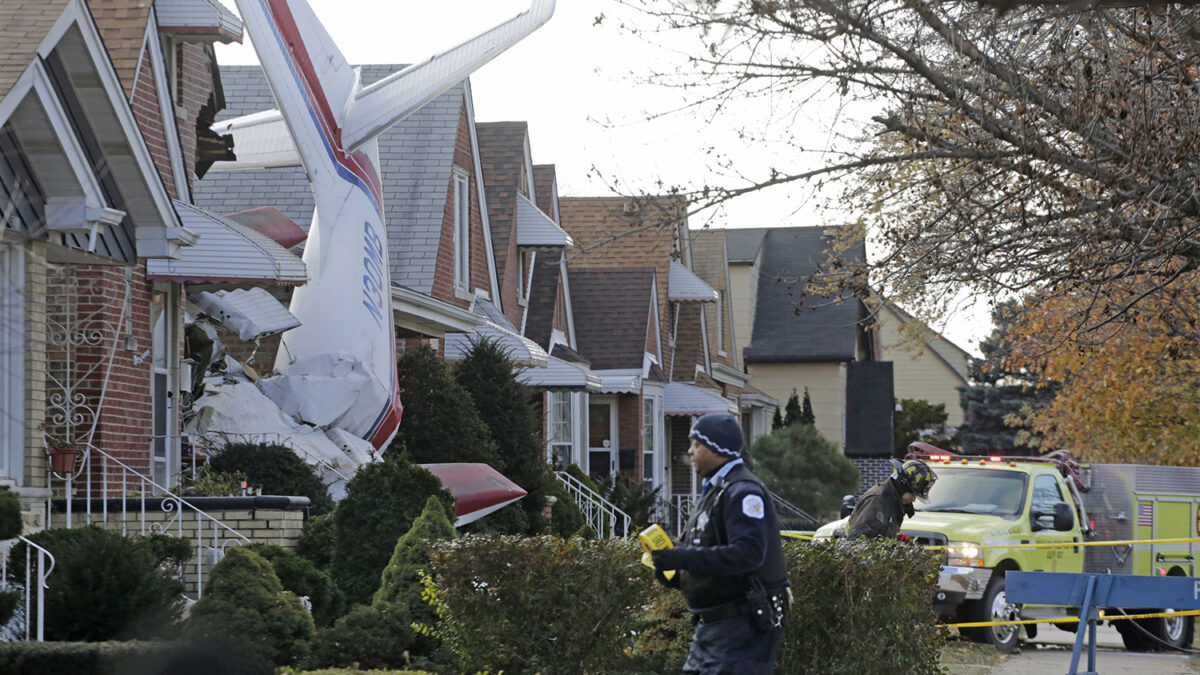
(520, 349)
(684, 286)
(251, 313)
(682, 398)
(227, 253)
(620, 381)
(536, 230)
(421, 314)
(560, 375)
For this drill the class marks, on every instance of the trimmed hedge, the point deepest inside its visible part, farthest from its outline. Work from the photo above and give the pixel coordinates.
(863, 607)
(301, 576)
(107, 658)
(278, 469)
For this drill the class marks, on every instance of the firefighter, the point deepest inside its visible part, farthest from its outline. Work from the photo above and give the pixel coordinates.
(730, 564)
(882, 508)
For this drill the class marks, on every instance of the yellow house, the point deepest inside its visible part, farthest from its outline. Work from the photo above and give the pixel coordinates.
(933, 371)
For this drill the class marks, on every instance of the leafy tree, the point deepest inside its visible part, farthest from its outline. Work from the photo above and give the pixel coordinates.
(440, 421)
(506, 408)
(806, 469)
(1133, 396)
(279, 470)
(919, 420)
(381, 503)
(1030, 151)
(245, 604)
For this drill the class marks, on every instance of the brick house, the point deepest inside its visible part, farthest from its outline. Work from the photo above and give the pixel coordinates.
(104, 122)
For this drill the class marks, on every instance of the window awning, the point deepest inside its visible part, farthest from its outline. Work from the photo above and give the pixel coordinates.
(620, 381)
(522, 350)
(199, 18)
(228, 253)
(682, 398)
(560, 375)
(684, 286)
(536, 230)
(417, 314)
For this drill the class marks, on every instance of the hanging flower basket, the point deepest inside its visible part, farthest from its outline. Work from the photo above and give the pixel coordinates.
(62, 460)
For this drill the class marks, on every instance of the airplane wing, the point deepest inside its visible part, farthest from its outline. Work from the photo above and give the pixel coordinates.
(261, 141)
(391, 99)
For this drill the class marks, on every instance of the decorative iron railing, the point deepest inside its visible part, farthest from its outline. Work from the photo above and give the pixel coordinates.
(680, 510)
(30, 614)
(600, 514)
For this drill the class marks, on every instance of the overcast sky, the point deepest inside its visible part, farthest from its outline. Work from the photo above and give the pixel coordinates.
(580, 83)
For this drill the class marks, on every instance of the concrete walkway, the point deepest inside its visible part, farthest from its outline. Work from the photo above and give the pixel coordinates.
(1050, 654)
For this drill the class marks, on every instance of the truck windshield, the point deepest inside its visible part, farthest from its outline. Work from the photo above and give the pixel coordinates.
(986, 491)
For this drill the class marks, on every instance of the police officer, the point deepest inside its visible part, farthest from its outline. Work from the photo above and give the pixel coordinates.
(881, 508)
(730, 562)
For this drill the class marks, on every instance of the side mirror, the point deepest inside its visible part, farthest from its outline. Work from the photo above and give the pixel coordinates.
(848, 503)
(1064, 517)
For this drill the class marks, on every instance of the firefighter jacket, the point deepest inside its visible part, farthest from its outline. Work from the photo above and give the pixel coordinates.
(878, 514)
(731, 538)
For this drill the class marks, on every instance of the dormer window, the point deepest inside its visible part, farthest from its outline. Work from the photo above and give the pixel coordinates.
(462, 231)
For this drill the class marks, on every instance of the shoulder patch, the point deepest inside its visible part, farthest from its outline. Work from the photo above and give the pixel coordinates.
(752, 506)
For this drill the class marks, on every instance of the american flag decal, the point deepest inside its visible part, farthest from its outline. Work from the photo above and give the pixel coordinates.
(1145, 514)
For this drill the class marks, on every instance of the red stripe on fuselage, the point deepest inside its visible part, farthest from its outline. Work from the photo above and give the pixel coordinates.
(358, 163)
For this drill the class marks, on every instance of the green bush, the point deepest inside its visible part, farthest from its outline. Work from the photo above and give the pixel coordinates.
(8, 605)
(11, 523)
(316, 541)
(861, 607)
(278, 469)
(303, 578)
(106, 586)
(245, 604)
(800, 465)
(507, 408)
(381, 502)
(401, 580)
(107, 658)
(539, 604)
(372, 636)
(565, 516)
(449, 428)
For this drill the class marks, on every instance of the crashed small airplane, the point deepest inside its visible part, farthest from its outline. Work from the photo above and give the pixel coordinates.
(337, 370)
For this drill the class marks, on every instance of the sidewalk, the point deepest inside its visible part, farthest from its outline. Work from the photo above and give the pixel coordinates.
(1056, 661)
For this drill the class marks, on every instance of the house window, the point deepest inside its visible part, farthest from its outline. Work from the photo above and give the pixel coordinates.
(720, 323)
(648, 442)
(12, 361)
(462, 231)
(559, 450)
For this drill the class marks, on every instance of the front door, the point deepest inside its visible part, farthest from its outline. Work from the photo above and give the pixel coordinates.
(602, 436)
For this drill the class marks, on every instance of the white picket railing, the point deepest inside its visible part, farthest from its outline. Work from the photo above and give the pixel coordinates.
(600, 514)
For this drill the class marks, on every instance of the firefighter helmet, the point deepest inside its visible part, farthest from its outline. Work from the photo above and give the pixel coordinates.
(914, 476)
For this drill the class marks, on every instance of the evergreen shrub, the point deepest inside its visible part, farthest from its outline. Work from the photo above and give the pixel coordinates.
(87, 658)
(278, 469)
(381, 502)
(372, 636)
(303, 578)
(106, 586)
(450, 429)
(11, 523)
(244, 604)
(806, 469)
(316, 541)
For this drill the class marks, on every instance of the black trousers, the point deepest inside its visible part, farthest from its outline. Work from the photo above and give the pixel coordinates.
(732, 646)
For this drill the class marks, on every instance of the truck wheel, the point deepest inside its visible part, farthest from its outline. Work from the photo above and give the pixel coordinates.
(994, 606)
(1134, 639)
(1174, 631)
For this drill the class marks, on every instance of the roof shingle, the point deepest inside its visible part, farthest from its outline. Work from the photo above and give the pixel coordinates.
(611, 306)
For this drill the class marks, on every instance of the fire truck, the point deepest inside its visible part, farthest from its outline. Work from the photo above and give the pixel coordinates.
(981, 509)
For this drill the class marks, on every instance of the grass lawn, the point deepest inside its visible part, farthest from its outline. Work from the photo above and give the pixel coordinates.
(963, 657)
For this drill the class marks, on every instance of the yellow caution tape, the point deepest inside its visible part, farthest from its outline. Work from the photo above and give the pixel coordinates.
(1067, 619)
(1070, 544)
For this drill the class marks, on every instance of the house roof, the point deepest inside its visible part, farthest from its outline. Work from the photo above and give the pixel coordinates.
(502, 153)
(682, 398)
(789, 324)
(743, 244)
(708, 262)
(227, 252)
(545, 189)
(611, 306)
(497, 327)
(416, 158)
(561, 375)
(23, 26)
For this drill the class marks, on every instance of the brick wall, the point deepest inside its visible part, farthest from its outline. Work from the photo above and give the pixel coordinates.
(195, 86)
(148, 113)
(279, 526)
(871, 470)
(36, 361)
(629, 432)
(443, 276)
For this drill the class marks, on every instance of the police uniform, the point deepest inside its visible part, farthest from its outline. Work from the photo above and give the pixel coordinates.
(878, 514)
(732, 572)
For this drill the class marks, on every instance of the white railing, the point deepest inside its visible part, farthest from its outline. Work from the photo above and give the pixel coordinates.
(681, 510)
(600, 514)
(20, 625)
(101, 478)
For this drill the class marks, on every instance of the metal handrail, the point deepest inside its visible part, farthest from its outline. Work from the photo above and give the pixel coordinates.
(129, 480)
(42, 573)
(783, 506)
(601, 514)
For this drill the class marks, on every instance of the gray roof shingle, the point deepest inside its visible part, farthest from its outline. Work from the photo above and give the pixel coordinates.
(612, 308)
(742, 244)
(790, 324)
(416, 157)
